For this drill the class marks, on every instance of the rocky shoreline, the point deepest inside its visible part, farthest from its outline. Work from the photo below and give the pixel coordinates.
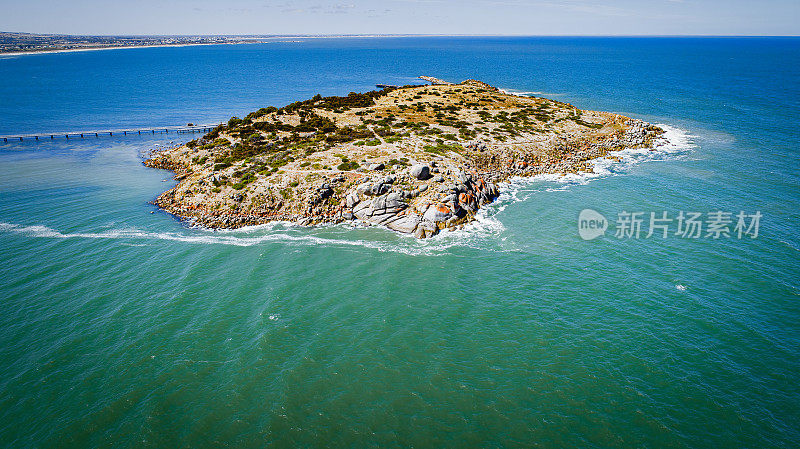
(399, 166)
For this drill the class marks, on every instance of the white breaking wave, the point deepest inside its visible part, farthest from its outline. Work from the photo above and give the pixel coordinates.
(527, 93)
(272, 232)
(674, 143)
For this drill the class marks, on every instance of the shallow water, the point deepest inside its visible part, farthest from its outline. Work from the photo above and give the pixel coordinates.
(124, 326)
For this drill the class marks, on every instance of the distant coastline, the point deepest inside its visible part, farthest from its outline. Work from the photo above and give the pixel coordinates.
(119, 47)
(19, 44)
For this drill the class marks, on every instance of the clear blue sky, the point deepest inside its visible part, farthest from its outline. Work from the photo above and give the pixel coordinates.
(526, 17)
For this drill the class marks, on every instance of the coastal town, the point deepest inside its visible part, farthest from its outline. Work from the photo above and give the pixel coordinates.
(28, 42)
(416, 159)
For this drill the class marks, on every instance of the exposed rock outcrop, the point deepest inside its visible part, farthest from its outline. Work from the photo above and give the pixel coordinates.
(415, 159)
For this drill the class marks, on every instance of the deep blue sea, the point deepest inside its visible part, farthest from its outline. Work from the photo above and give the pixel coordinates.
(122, 326)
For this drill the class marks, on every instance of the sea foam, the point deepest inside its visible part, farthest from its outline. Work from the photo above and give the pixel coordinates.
(341, 235)
(528, 93)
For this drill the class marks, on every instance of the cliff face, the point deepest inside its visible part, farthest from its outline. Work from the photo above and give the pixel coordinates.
(416, 159)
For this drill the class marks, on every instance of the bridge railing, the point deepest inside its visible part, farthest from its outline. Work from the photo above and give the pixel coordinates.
(111, 132)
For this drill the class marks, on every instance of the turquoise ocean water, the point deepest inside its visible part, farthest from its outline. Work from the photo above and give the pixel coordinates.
(123, 327)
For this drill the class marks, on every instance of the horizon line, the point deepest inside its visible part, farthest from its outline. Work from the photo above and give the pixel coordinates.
(405, 35)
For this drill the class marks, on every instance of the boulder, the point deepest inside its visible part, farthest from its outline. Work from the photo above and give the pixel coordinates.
(325, 191)
(425, 229)
(380, 209)
(438, 213)
(379, 188)
(391, 202)
(352, 199)
(420, 171)
(376, 167)
(467, 201)
(362, 210)
(404, 223)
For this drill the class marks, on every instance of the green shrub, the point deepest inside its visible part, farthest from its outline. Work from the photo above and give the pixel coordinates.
(346, 134)
(403, 162)
(442, 149)
(348, 165)
(587, 124)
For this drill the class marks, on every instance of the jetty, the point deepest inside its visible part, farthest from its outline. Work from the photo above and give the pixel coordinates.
(435, 81)
(110, 132)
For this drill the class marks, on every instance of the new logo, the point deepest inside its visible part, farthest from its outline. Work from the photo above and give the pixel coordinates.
(591, 224)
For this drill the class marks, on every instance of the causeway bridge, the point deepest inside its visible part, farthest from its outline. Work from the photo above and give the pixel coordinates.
(110, 132)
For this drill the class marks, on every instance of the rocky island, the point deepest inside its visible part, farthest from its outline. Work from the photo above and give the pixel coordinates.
(416, 159)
